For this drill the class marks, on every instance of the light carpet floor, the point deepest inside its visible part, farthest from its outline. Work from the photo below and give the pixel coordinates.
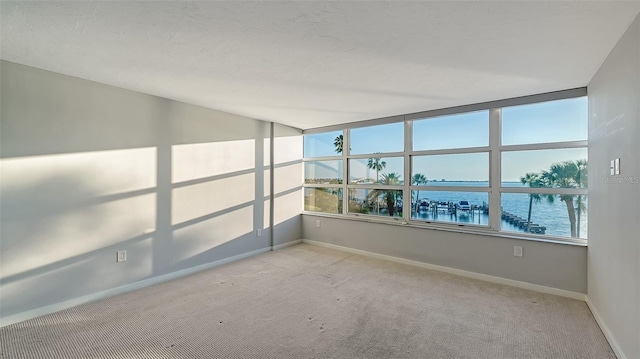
(310, 302)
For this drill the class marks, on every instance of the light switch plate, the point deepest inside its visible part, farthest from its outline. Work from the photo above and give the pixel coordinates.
(617, 166)
(121, 256)
(612, 168)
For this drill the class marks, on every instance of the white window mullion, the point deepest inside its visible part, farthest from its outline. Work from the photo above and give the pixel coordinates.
(320, 159)
(408, 147)
(545, 146)
(450, 151)
(377, 155)
(546, 190)
(450, 189)
(321, 185)
(346, 146)
(495, 132)
(376, 186)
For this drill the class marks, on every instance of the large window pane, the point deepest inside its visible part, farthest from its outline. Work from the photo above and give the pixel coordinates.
(562, 168)
(456, 131)
(327, 200)
(382, 170)
(323, 144)
(323, 172)
(378, 139)
(469, 169)
(555, 215)
(445, 206)
(377, 202)
(553, 121)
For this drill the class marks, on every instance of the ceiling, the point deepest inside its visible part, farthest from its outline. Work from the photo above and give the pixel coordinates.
(313, 64)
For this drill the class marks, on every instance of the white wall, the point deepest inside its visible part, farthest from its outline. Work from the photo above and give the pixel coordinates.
(614, 201)
(552, 265)
(87, 169)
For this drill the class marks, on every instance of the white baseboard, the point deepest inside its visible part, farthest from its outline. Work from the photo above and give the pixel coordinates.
(460, 272)
(605, 330)
(287, 244)
(16, 318)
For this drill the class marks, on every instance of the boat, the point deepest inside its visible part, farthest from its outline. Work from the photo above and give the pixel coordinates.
(464, 206)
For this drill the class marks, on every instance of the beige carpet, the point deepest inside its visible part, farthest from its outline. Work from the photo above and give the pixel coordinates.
(310, 302)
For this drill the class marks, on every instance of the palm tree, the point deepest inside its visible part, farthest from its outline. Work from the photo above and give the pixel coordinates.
(389, 196)
(581, 180)
(581, 206)
(567, 174)
(418, 179)
(533, 180)
(338, 143)
(376, 164)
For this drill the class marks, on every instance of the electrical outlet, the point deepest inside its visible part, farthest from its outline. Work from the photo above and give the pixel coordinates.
(121, 256)
(258, 232)
(517, 251)
(318, 224)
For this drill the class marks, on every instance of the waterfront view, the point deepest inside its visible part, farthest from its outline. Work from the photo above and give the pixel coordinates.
(446, 206)
(543, 190)
(553, 216)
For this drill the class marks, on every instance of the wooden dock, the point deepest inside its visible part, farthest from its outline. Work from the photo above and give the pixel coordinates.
(523, 223)
(450, 208)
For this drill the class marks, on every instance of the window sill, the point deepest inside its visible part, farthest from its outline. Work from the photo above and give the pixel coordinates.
(457, 228)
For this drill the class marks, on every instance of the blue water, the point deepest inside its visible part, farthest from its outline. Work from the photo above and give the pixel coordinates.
(553, 216)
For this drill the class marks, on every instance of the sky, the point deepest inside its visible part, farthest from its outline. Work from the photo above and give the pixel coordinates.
(554, 121)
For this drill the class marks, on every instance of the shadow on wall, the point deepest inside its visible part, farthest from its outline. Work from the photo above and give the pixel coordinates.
(88, 169)
(63, 223)
(60, 233)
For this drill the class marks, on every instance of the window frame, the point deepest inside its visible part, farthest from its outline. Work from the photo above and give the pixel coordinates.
(347, 156)
(411, 153)
(494, 149)
(321, 186)
(320, 159)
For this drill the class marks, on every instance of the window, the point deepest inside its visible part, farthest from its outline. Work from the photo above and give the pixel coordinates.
(326, 200)
(544, 169)
(376, 170)
(516, 165)
(558, 215)
(437, 171)
(446, 169)
(322, 144)
(467, 169)
(545, 122)
(376, 202)
(451, 206)
(377, 139)
(323, 172)
(456, 131)
(376, 181)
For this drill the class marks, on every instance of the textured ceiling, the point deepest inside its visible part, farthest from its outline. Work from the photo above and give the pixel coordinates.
(312, 64)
